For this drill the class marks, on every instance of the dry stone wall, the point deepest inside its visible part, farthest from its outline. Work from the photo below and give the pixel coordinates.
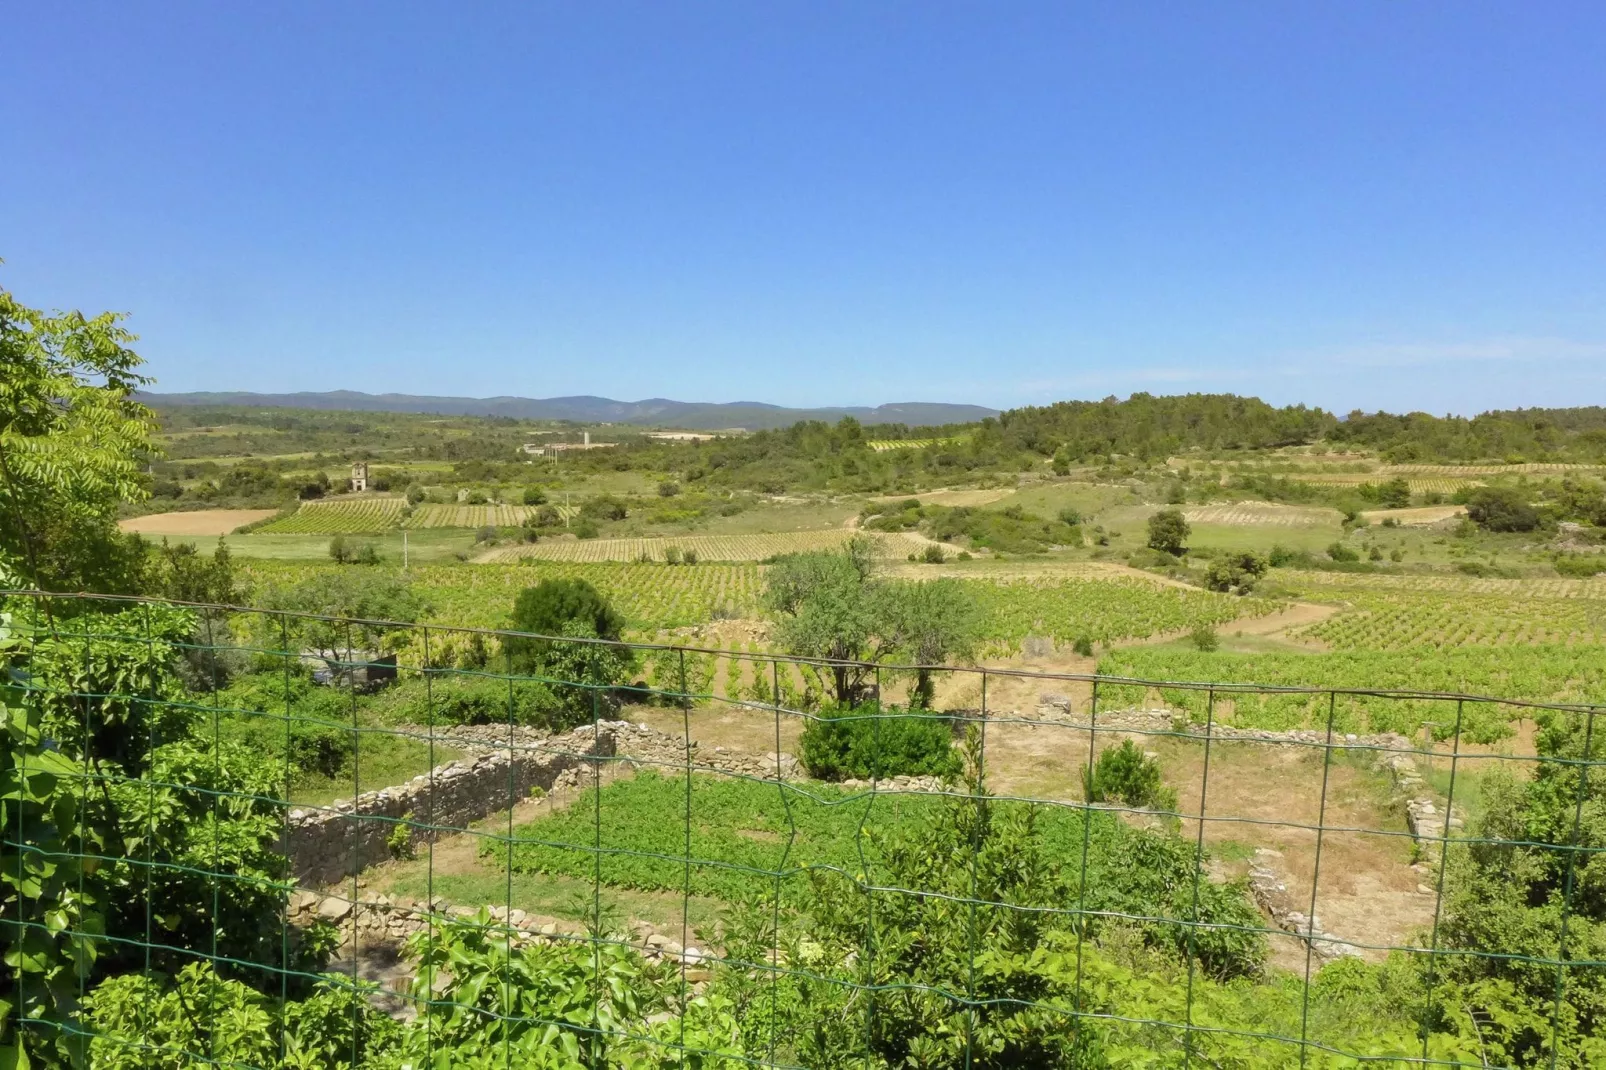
(327, 844)
(1270, 888)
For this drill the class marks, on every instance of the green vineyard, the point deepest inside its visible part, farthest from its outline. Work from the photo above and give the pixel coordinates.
(353, 516)
(1398, 620)
(1104, 610)
(1540, 674)
(707, 547)
(468, 516)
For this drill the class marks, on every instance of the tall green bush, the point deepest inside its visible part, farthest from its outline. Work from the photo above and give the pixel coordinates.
(859, 742)
(1126, 775)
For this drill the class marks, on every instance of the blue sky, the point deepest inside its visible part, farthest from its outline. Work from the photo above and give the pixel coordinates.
(1373, 205)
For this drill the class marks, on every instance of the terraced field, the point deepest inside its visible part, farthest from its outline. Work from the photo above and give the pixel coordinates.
(1469, 471)
(881, 445)
(1418, 484)
(1260, 514)
(707, 547)
(349, 516)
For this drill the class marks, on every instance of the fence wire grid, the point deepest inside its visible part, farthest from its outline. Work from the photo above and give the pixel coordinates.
(477, 863)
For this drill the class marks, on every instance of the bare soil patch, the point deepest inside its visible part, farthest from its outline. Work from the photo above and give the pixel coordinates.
(1263, 795)
(196, 522)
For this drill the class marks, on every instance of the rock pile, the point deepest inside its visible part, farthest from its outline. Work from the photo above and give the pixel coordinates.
(1424, 816)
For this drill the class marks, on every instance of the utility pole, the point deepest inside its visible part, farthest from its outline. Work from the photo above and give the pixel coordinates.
(404, 549)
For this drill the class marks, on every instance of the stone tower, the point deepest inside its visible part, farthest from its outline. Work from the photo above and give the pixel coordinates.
(359, 476)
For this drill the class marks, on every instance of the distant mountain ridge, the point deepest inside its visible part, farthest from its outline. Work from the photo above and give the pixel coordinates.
(693, 415)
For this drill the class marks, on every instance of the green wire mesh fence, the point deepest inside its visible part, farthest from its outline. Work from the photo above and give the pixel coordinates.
(248, 838)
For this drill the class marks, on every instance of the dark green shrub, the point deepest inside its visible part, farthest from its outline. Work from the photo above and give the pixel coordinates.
(1235, 572)
(933, 554)
(1339, 552)
(1203, 638)
(1168, 531)
(1083, 646)
(1125, 775)
(867, 741)
(1501, 509)
(1285, 557)
(1580, 565)
(469, 699)
(604, 507)
(534, 496)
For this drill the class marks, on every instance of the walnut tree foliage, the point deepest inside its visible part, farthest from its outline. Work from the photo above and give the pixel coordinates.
(72, 442)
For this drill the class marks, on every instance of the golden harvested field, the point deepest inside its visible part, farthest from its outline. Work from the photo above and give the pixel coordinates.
(1260, 514)
(707, 547)
(195, 522)
(468, 516)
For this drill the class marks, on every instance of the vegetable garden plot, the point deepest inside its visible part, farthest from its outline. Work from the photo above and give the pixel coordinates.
(355, 516)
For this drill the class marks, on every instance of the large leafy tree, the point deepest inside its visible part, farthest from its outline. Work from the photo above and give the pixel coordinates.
(72, 438)
(830, 605)
(574, 610)
(931, 622)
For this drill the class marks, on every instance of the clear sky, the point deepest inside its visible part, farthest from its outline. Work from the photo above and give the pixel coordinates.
(1394, 205)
